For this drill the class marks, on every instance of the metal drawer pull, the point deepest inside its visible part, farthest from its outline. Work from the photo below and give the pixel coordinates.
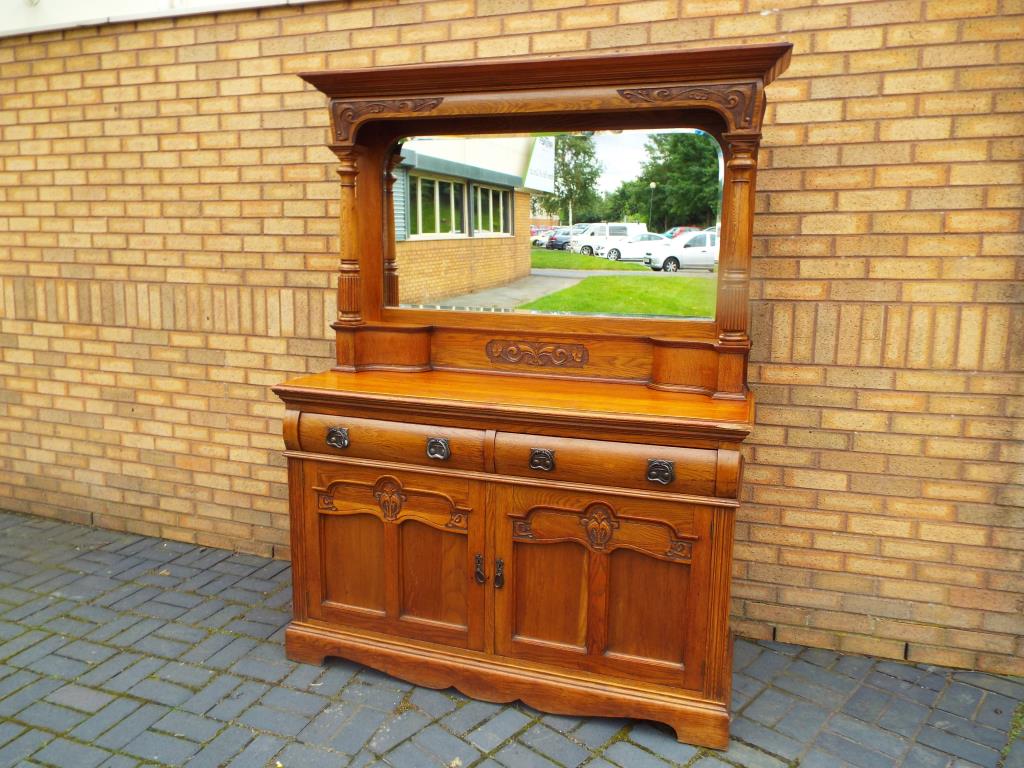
(478, 570)
(661, 471)
(499, 574)
(337, 437)
(438, 448)
(542, 459)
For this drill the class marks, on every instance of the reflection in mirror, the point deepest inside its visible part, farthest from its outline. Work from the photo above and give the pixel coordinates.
(590, 223)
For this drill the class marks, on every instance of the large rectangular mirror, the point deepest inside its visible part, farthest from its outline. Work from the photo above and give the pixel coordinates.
(585, 223)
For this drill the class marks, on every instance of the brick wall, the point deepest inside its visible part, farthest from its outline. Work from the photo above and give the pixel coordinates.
(167, 247)
(430, 270)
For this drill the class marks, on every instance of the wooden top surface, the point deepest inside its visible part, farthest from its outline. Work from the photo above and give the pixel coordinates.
(762, 61)
(523, 399)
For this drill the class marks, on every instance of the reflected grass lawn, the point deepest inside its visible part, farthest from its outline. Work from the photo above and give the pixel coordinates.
(544, 259)
(634, 295)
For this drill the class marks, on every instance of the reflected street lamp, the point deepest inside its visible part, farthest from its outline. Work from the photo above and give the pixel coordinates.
(650, 208)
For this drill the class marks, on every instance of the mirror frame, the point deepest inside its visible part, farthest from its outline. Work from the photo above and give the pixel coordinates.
(718, 90)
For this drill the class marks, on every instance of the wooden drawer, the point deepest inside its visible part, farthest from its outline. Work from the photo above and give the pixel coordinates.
(388, 441)
(599, 462)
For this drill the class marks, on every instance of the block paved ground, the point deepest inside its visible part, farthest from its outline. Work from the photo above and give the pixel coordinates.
(119, 650)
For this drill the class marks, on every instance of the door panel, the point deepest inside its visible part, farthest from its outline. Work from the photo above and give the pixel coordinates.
(353, 576)
(551, 594)
(603, 583)
(395, 551)
(435, 577)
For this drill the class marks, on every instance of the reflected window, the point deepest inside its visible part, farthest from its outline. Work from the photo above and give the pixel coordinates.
(435, 206)
(493, 210)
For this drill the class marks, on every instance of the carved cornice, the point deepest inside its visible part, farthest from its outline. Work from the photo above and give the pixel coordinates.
(346, 114)
(736, 99)
(537, 353)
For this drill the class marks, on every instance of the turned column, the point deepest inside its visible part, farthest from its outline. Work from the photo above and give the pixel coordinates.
(734, 262)
(349, 278)
(390, 265)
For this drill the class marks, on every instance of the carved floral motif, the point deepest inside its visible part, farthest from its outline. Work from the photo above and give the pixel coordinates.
(680, 550)
(388, 493)
(737, 100)
(598, 520)
(521, 529)
(537, 353)
(348, 113)
(325, 501)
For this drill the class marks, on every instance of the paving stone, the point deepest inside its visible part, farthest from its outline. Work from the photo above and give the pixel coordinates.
(444, 746)
(469, 715)
(397, 729)
(499, 728)
(711, 762)
(923, 757)
(305, 756)
(50, 717)
(598, 731)
(630, 756)
(960, 699)
(68, 754)
(272, 720)
(552, 744)
(765, 738)
(996, 711)
(661, 741)
(515, 755)
(225, 746)
(218, 689)
(108, 669)
(852, 752)
(1015, 759)
(803, 722)
(434, 703)
(903, 717)
(90, 653)
(742, 754)
(356, 731)
(967, 729)
(411, 755)
(105, 719)
(186, 726)
(305, 704)
(130, 727)
(867, 703)
(8, 731)
(80, 698)
(26, 695)
(862, 733)
(120, 761)
(1012, 689)
(770, 707)
(161, 692)
(165, 750)
(184, 674)
(238, 701)
(23, 746)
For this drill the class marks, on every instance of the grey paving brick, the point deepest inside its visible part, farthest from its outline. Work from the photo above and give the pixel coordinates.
(630, 756)
(187, 726)
(469, 715)
(8, 731)
(996, 711)
(80, 698)
(355, 731)
(165, 750)
(55, 665)
(551, 743)
(711, 762)
(765, 739)
(967, 729)
(499, 728)
(903, 717)
(397, 729)
(310, 757)
(105, 719)
(68, 754)
(923, 757)
(90, 653)
(225, 746)
(112, 667)
(742, 754)
(184, 674)
(661, 741)
(50, 717)
(120, 761)
(305, 704)
(863, 733)
(770, 706)
(411, 755)
(1015, 758)
(445, 746)
(272, 720)
(237, 701)
(259, 751)
(598, 731)
(852, 752)
(211, 695)
(376, 696)
(133, 675)
(1011, 688)
(161, 692)
(130, 727)
(515, 755)
(803, 722)
(27, 695)
(434, 703)
(23, 746)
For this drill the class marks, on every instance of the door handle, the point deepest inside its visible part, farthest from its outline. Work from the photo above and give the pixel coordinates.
(499, 574)
(478, 570)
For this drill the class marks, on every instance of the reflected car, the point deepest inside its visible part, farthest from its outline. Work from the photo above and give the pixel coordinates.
(636, 248)
(697, 250)
(558, 240)
(541, 237)
(678, 231)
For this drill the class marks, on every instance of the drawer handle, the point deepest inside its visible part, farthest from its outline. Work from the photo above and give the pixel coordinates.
(542, 459)
(661, 471)
(499, 574)
(438, 448)
(337, 437)
(478, 569)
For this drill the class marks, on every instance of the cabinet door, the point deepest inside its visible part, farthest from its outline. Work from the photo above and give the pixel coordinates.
(608, 584)
(395, 552)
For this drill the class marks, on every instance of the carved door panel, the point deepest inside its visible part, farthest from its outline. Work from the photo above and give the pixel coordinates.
(603, 583)
(396, 552)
